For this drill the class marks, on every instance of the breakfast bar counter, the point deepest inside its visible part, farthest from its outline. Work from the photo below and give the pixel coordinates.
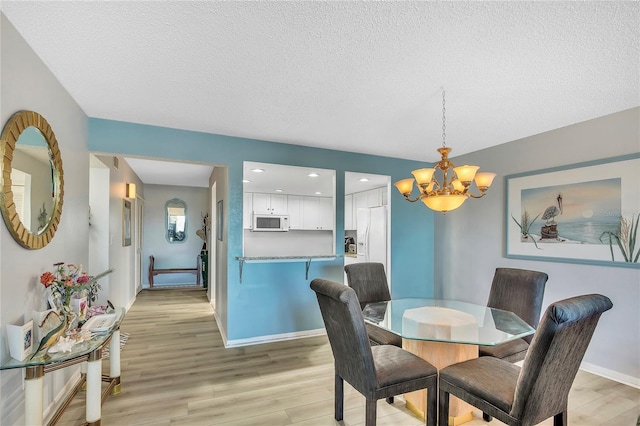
(282, 259)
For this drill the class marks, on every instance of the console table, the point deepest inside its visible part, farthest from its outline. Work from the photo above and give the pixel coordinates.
(89, 351)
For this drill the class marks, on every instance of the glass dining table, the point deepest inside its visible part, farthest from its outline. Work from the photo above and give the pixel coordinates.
(445, 332)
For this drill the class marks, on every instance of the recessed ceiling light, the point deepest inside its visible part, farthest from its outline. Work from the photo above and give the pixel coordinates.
(257, 170)
(364, 180)
(279, 190)
(318, 193)
(246, 181)
(313, 175)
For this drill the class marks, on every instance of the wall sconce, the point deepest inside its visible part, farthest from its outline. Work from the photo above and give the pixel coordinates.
(131, 190)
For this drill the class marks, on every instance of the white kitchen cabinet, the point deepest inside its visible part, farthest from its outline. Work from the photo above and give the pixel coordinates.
(247, 210)
(326, 215)
(294, 208)
(317, 213)
(373, 198)
(269, 203)
(349, 220)
(384, 195)
(359, 201)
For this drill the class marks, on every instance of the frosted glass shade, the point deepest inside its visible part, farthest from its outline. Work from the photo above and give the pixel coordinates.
(457, 185)
(484, 179)
(405, 186)
(444, 203)
(423, 175)
(466, 173)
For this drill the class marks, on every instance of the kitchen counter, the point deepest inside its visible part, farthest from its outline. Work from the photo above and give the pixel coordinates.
(278, 259)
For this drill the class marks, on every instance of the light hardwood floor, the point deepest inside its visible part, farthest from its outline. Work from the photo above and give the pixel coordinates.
(176, 371)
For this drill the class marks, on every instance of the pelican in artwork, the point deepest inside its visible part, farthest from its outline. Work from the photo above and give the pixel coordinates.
(552, 211)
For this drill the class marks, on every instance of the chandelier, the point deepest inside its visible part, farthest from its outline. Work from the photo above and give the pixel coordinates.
(452, 189)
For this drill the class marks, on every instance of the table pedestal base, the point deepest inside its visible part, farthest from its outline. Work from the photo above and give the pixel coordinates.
(440, 355)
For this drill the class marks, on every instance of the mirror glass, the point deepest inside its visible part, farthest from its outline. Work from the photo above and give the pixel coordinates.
(176, 214)
(32, 179)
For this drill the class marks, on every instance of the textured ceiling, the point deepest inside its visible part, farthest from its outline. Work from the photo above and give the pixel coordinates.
(356, 76)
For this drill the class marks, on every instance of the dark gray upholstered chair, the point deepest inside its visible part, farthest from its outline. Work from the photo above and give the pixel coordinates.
(369, 281)
(521, 292)
(540, 389)
(376, 372)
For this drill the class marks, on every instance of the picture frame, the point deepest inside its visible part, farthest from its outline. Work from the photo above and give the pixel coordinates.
(79, 307)
(20, 339)
(584, 213)
(220, 220)
(126, 223)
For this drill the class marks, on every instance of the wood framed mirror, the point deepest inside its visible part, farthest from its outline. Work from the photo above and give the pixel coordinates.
(32, 179)
(176, 221)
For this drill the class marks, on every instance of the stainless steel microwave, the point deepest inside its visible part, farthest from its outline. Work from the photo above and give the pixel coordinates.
(270, 222)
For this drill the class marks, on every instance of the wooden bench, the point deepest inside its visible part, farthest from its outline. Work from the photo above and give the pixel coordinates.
(153, 272)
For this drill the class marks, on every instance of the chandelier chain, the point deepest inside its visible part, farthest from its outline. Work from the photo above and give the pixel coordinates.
(444, 125)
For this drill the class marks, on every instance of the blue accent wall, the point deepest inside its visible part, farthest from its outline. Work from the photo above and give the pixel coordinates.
(275, 298)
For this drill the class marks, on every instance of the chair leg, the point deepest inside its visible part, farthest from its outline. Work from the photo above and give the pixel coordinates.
(370, 414)
(432, 405)
(339, 398)
(486, 417)
(443, 406)
(390, 400)
(561, 419)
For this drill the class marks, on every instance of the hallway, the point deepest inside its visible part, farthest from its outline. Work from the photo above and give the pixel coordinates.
(176, 371)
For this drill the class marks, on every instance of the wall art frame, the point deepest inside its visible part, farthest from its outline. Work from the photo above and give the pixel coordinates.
(126, 223)
(587, 213)
(20, 339)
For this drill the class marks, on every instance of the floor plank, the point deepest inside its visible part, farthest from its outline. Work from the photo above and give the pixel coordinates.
(176, 371)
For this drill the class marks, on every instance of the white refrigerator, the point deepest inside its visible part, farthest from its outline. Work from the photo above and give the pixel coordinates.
(371, 226)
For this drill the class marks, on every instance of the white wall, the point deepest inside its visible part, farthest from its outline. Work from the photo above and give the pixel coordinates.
(172, 255)
(471, 239)
(99, 226)
(27, 84)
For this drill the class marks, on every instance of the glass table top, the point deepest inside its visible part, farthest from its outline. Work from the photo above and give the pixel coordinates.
(79, 349)
(447, 321)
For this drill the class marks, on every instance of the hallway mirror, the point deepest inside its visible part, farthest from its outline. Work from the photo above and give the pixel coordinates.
(176, 215)
(32, 179)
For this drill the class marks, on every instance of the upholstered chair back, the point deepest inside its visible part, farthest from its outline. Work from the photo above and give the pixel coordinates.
(519, 291)
(369, 281)
(554, 357)
(344, 322)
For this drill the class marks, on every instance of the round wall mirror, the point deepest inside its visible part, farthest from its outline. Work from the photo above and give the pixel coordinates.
(176, 213)
(32, 179)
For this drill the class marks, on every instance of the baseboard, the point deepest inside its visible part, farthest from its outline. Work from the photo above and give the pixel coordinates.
(273, 338)
(220, 329)
(61, 396)
(611, 375)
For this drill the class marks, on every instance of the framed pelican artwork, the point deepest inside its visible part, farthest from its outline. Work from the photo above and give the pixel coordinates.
(582, 213)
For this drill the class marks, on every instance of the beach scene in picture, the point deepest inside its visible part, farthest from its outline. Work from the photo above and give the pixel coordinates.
(578, 213)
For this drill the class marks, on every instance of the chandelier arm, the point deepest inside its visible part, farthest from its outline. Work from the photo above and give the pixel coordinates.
(482, 194)
(418, 198)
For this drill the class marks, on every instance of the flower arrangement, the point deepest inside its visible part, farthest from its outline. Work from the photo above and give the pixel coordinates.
(68, 279)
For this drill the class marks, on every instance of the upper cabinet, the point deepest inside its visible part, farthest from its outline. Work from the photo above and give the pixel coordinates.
(317, 213)
(269, 203)
(362, 200)
(247, 210)
(294, 206)
(349, 222)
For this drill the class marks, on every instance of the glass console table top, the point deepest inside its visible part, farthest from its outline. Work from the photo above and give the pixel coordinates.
(447, 321)
(80, 349)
